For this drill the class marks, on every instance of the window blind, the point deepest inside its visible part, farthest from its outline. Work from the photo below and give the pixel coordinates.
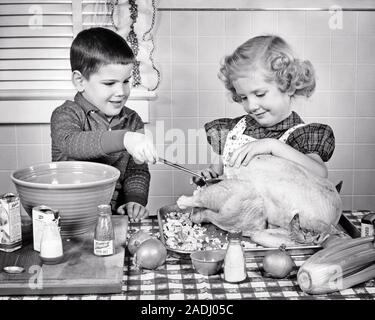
(35, 37)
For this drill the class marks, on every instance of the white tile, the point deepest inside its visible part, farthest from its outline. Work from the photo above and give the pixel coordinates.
(366, 23)
(288, 20)
(317, 23)
(183, 23)
(366, 49)
(365, 104)
(264, 22)
(165, 70)
(162, 49)
(322, 75)
(366, 77)
(211, 23)
(157, 131)
(161, 107)
(184, 49)
(7, 134)
(207, 77)
(29, 133)
(211, 104)
(46, 133)
(161, 183)
(46, 153)
(6, 184)
(318, 105)
(298, 46)
(347, 26)
(342, 104)
(343, 77)
(184, 77)
(343, 49)
(28, 155)
(238, 23)
(163, 23)
(8, 157)
(342, 157)
(317, 49)
(185, 104)
(185, 124)
(211, 49)
(364, 156)
(365, 132)
(364, 182)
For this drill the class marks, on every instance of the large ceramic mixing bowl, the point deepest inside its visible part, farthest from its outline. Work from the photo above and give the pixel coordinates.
(75, 188)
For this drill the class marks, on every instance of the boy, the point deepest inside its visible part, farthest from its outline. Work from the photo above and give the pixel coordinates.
(97, 126)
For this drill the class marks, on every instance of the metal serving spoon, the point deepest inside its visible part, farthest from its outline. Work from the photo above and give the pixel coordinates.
(14, 269)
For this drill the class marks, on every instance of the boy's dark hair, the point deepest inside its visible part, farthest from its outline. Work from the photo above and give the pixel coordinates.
(95, 47)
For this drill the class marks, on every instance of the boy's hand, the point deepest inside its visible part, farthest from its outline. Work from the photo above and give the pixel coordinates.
(140, 147)
(135, 211)
(243, 155)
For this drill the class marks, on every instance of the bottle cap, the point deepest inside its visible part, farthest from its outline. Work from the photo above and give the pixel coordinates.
(369, 218)
(104, 208)
(235, 234)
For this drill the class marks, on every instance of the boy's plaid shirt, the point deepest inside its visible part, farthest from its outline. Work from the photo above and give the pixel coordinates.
(76, 130)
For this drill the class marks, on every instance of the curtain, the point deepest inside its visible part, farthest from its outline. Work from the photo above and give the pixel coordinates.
(134, 21)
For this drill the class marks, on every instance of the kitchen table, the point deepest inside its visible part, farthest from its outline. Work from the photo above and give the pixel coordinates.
(177, 280)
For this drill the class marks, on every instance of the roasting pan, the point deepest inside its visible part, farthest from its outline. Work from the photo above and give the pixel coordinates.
(256, 251)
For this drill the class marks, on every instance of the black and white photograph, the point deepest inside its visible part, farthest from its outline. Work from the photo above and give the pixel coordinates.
(184, 158)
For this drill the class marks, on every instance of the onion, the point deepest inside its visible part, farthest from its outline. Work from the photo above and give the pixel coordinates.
(150, 254)
(137, 239)
(278, 264)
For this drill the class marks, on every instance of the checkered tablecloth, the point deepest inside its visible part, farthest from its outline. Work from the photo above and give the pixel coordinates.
(177, 280)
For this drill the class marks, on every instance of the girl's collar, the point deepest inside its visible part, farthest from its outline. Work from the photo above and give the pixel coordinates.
(287, 123)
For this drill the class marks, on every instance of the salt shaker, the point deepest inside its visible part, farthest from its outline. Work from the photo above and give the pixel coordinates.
(234, 261)
(51, 248)
(104, 234)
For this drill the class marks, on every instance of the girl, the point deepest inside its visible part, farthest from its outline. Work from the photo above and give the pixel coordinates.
(264, 76)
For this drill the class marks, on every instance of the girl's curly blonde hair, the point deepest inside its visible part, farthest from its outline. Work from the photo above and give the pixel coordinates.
(275, 58)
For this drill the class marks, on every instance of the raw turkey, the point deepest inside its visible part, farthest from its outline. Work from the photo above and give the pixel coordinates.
(272, 200)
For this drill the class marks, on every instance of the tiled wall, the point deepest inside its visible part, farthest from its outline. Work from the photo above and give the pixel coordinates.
(189, 46)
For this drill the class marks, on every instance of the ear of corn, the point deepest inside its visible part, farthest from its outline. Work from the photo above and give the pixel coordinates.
(338, 267)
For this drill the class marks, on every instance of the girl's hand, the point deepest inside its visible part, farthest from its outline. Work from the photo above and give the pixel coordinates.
(244, 154)
(135, 211)
(213, 171)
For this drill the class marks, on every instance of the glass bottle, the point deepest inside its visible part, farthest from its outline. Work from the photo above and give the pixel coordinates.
(234, 261)
(104, 235)
(51, 247)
